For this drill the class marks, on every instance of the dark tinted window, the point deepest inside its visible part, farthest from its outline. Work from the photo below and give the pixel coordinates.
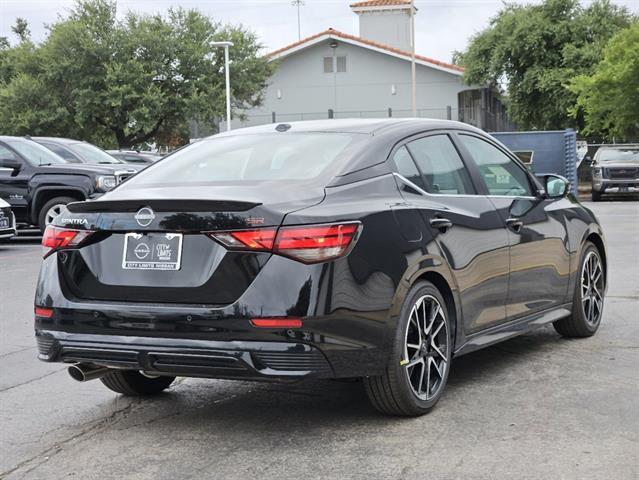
(441, 165)
(406, 167)
(501, 174)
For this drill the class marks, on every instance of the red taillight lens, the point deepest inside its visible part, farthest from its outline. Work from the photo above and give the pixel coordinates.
(282, 322)
(316, 243)
(306, 243)
(56, 237)
(260, 239)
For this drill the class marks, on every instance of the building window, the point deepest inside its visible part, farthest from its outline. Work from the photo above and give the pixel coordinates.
(340, 64)
(328, 64)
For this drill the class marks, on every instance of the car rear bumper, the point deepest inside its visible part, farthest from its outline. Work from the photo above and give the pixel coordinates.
(194, 358)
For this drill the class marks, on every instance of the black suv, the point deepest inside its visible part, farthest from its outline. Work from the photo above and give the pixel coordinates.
(37, 183)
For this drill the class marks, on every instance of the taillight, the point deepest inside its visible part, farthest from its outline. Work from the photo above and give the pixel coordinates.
(260, 239)
(55, 238)
(306, 243)
(316, 243)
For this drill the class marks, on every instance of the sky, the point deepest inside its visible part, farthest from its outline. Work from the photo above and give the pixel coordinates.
(442, 26)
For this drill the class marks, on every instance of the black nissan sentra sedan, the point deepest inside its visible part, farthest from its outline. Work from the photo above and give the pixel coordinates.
(372, 249)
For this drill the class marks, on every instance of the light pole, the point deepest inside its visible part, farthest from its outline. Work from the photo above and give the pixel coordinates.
(298, 4)
(413, 82)
(226, 46)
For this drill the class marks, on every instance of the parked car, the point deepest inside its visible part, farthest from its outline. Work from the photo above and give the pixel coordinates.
(615, 170)
(7, 221)
(76, 151)
(135, 157)
(37, 183)
(374, 249)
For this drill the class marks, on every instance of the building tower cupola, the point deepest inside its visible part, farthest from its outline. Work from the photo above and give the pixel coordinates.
(385, 21)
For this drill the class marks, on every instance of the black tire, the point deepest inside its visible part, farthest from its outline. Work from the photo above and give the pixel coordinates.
(393, 393)
(578, 324)
(596, 196)
(133, 383)
(42, 223)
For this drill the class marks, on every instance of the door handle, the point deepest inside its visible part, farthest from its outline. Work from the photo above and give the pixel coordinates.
(515, 224)
(441, 224)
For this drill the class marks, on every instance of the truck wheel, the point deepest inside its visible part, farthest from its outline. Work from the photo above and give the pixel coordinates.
(52, 209)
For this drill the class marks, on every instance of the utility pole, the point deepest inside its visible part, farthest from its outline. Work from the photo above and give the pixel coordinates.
(412, 59)
(298, 4)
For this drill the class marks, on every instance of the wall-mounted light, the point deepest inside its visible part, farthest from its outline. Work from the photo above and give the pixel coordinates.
(279, 93)
(393, 89)
(333, 44)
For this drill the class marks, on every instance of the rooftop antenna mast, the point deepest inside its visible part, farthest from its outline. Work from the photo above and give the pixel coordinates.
(298, 4)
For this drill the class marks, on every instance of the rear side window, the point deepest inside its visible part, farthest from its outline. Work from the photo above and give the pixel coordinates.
(501, 174)
(405, 166)
(247, 158)
(441, 166)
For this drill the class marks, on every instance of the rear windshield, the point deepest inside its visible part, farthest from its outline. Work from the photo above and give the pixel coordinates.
(621, 155)
(248, 159)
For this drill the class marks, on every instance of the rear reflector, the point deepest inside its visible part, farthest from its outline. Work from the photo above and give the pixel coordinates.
(283, 322)
(43, 312)
(56, 237)
(306, 243)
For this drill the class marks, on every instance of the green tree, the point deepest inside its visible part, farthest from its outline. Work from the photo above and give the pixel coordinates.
(535, 50)
(609, 98)
(95, 77)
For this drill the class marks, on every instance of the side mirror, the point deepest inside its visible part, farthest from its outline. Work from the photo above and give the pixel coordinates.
(11, 163)
(556, 186)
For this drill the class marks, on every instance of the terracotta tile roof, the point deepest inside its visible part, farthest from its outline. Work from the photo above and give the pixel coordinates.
(346, 36)
(380, 3)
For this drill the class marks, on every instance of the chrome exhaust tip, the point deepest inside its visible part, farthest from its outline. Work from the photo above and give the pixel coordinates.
(83, 372)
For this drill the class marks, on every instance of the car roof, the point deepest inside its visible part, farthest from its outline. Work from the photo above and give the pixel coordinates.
(67, 141)
(370, 126)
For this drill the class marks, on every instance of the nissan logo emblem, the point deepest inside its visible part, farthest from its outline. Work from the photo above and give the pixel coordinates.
(144, 217)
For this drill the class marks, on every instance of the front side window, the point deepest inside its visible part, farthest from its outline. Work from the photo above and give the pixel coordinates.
(441, 166)
(500, 173)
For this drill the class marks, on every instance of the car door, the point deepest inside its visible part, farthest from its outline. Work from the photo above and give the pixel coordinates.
(467, 230)
(539, 248)
(14, 185)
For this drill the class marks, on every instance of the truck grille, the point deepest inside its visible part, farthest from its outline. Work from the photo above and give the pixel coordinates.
(622, 173)
(122, 175)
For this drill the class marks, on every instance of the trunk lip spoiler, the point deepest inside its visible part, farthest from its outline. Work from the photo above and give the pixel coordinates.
(161, 205)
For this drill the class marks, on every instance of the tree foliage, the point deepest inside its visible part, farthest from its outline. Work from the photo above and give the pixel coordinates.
(609, 98)
(535, 51)
(132, 80)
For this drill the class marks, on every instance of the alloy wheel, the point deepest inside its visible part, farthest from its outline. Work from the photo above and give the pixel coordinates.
(53, 212)
(426, 348)
(592, 284)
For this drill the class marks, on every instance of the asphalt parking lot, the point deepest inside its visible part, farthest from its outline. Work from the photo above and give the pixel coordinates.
(536, 407)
